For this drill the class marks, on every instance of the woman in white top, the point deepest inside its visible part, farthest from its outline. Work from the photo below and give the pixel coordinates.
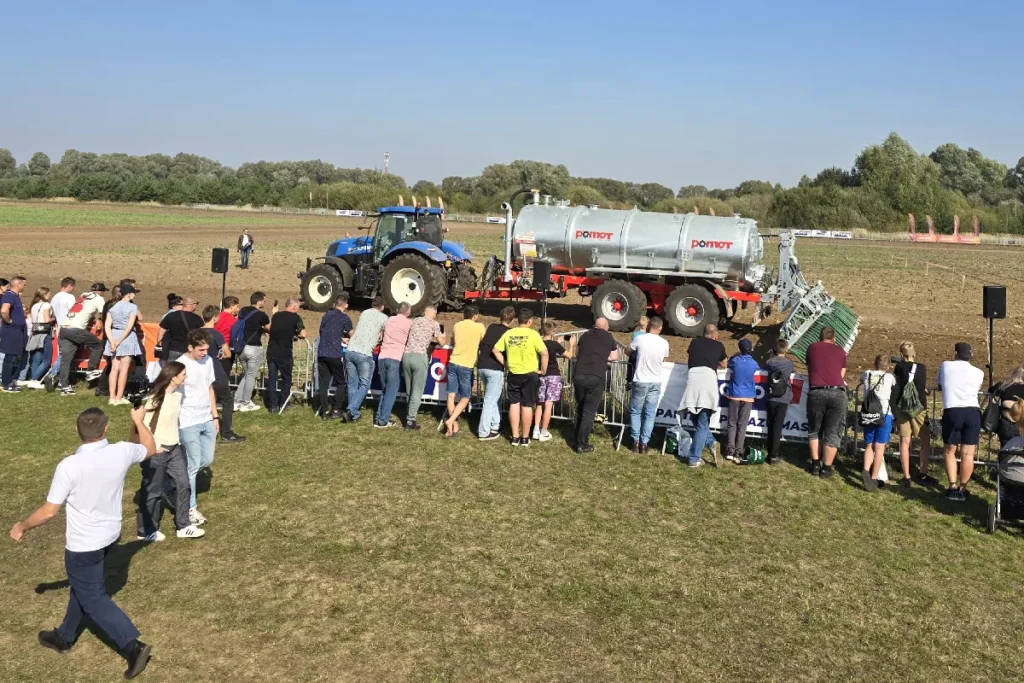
(876, 437)
(162, 410)
(40, 341)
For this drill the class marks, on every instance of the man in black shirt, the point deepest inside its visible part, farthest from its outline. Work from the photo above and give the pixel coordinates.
(285, 327)
(221, 387)
(492, 374)
(256, 324)
(595, 349)
(174, 329)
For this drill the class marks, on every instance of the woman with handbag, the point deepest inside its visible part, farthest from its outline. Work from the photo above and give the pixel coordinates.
(162, 409)
(876, 419)
(40, 341)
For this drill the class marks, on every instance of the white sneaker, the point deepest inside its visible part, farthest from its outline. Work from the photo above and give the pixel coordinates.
(34, 384)
(252, 407)
(153, 537)
(239, 407)
(195, 517)
(536, 434)
(93, 374)
(191, 531)
(24, 382)
(545, 435)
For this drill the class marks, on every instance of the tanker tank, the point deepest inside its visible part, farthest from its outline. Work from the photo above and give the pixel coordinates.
(584, 240)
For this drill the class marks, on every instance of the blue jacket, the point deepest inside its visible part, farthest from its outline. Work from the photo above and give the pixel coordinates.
(741, 381)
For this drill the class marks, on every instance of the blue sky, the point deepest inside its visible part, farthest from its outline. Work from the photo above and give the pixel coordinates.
(679, 93)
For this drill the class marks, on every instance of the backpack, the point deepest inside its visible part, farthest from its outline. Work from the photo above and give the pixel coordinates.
(871, 407)
(909, 402)
(238, 339)
(778, 384)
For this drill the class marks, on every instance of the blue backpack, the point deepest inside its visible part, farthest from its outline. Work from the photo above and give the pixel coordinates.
(238, 340)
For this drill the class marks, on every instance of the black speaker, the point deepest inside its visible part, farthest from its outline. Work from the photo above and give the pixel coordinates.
(541, 275)
(994, 301)
(220, 260)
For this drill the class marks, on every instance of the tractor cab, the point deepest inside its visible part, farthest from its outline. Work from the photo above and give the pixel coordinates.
(400, 224)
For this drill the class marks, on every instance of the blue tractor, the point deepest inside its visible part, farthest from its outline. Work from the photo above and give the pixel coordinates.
(404, 258)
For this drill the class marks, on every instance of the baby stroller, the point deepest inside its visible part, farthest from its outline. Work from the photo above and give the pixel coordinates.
(1009, 505)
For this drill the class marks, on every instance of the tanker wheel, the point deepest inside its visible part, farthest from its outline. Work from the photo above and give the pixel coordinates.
(621, 303)
(320, 285)
(411, 279)
(689, 308)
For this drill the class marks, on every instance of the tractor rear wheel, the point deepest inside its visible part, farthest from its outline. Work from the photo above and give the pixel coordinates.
(689, 308)
(411, 279)
(320, 285)
(621, 303)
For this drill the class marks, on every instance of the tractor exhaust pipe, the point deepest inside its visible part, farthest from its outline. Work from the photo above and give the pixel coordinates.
(507, 208)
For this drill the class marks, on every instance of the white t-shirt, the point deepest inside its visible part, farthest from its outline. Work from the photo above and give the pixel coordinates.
(61, 302)
(195, 407)
(92, 483)
(38, 310)
(885, 382)
(79, 320)
(245, 241)
(960, 383)
(650, 351)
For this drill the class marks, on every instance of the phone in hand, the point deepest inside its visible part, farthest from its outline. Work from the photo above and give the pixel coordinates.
(275, 303)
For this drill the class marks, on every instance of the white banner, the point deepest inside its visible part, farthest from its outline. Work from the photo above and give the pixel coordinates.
(496, 219)
(826, 234)
(673, 384)
(348, 212)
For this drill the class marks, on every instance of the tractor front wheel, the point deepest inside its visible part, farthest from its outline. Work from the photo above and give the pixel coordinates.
(411, 279)
(320, 285)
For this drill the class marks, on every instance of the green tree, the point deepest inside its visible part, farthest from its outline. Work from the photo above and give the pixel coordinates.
(39, 164)
(7, 163)
(692, 191)
(908, 180)
(754, 187)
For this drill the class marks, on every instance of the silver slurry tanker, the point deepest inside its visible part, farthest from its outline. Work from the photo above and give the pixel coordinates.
(692, 269)
(583, 240)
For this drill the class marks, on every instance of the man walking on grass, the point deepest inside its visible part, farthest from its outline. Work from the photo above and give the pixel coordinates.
(359, 356)
(595, 349)
(91, 482)
(960, 382)
(198, 420)
(523, 353)
(649, 351)
(335, 329)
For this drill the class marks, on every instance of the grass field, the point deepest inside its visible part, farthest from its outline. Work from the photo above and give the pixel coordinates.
(338, 552)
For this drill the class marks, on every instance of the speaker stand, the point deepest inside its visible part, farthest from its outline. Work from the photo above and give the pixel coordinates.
(223, 289)
(991, 322)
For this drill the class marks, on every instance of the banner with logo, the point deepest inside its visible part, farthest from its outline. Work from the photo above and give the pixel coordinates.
(436, 388)
(673, 384)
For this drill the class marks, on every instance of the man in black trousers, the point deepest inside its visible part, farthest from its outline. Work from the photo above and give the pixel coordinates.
(596, 348)
(91, 482)
(335, 328)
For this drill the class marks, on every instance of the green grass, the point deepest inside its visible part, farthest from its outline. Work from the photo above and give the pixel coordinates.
(61, 216)
(338, 552)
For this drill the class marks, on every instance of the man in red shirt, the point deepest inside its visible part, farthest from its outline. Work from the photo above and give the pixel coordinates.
(225, 320)
(826, 400)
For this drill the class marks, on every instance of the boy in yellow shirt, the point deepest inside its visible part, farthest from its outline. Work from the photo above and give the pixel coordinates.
(524, 355)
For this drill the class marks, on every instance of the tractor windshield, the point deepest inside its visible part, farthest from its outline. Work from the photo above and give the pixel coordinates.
(395, 228)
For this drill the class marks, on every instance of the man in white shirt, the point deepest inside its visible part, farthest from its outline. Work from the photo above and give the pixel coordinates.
(75, 334)
(649, 352)
(198, 421)
(61, 303)
(91, 482)
(246, 244)
(960, 382)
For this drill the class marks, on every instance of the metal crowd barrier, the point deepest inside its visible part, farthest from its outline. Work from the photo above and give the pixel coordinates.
(302, 363)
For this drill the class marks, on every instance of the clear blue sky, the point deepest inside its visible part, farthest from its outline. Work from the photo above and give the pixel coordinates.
(673, 92)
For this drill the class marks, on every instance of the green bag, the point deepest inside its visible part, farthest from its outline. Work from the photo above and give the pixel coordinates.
(909, 403)
(755, 455)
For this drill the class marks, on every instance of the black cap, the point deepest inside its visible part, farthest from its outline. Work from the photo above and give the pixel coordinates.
(128, 288)
(963, 351)
(98, 287)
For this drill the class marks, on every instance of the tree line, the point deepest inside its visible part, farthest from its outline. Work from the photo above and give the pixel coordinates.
(886, 182)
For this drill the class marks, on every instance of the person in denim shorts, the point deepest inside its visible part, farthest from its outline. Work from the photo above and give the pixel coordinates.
(467, 335)
(550, 390)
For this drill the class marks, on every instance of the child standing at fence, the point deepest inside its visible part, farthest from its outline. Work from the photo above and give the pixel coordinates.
(550, 390)
(877, 384)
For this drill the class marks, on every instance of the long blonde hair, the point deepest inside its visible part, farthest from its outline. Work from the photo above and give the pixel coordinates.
(1017, 414)
(42, 294)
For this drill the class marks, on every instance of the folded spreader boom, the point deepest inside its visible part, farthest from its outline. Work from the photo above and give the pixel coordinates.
(810, 308)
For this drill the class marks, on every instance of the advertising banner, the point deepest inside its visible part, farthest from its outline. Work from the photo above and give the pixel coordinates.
(437, 377)
(673, 384)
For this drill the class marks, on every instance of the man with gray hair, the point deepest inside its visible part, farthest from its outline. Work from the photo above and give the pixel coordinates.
(706, 355)
(416, 361)
(285, 327)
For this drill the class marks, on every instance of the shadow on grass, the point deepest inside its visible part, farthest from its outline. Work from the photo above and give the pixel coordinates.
(115, 576)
